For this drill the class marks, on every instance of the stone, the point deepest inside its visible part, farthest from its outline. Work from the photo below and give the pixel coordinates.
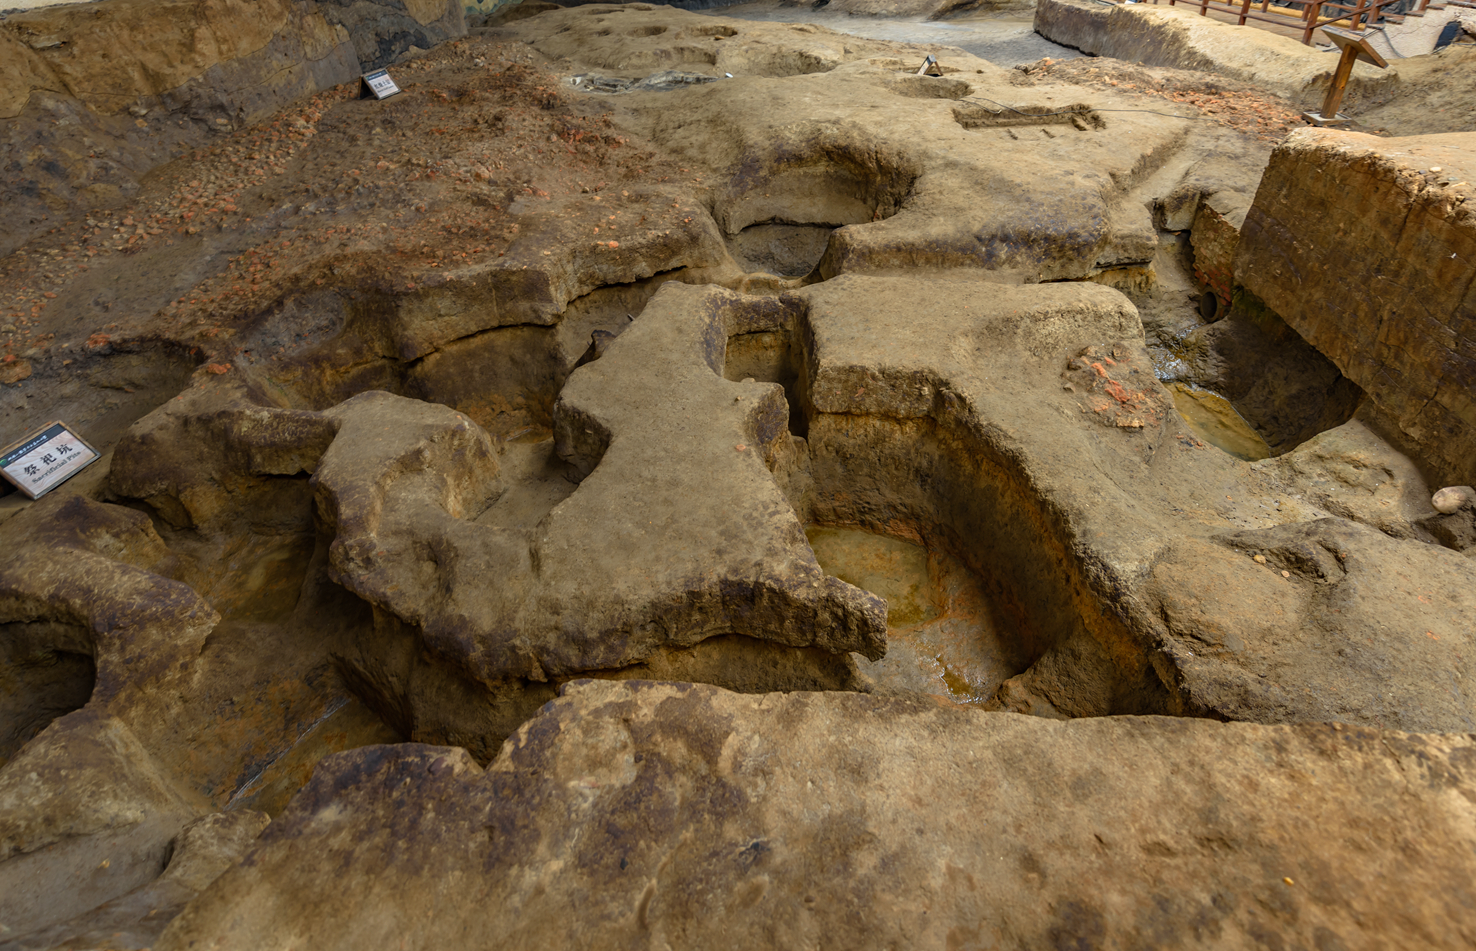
(15, 371)
(638, 812)
(1453, 499)
(1456, 531)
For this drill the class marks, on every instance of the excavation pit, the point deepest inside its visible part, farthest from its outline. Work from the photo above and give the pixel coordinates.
(786, 250)
(1214, 419)
(943, 636)
(767, 356)
(46, 671)
(782, 211)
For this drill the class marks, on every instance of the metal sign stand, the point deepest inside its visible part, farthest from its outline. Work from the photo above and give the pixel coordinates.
(1353, 45)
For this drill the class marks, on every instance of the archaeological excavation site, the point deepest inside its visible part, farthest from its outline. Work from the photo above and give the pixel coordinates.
(850, 474)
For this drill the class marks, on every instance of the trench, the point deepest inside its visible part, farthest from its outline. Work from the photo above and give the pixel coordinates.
(506, 378)
(897, 507)
(269, 700)
(982, 589)
(981, 583)
(944, 635)
(1241, 379)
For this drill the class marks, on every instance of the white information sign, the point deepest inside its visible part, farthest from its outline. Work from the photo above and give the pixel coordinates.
(41, 462)
(379, 84)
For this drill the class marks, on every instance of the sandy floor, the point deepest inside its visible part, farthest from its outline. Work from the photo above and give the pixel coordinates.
(1003, 39)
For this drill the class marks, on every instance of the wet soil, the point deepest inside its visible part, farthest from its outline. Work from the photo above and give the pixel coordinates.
(944, 637)
(1214, 419)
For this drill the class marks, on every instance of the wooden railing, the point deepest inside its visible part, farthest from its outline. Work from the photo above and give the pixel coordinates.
(1357, 14)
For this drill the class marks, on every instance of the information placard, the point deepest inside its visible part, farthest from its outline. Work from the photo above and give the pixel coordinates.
(377, 84)
(44, 460)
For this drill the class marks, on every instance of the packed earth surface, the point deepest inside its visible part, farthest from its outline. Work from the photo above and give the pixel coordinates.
(676, 479)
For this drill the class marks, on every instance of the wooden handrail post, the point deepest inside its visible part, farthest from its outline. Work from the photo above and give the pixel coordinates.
(1358, 15)
(1334, 99)
(1204, 8)
(1245, 6)
(1313, 10)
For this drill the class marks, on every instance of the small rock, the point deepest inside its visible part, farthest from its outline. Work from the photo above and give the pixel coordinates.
(1259, 559)
(1451, 498)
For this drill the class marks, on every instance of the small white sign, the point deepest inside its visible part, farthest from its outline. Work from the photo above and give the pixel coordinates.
(40, 463)
(379, 84)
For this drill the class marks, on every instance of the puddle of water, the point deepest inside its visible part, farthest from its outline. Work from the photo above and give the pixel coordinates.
(1213, 419)
(942, 637)
(887, 567)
